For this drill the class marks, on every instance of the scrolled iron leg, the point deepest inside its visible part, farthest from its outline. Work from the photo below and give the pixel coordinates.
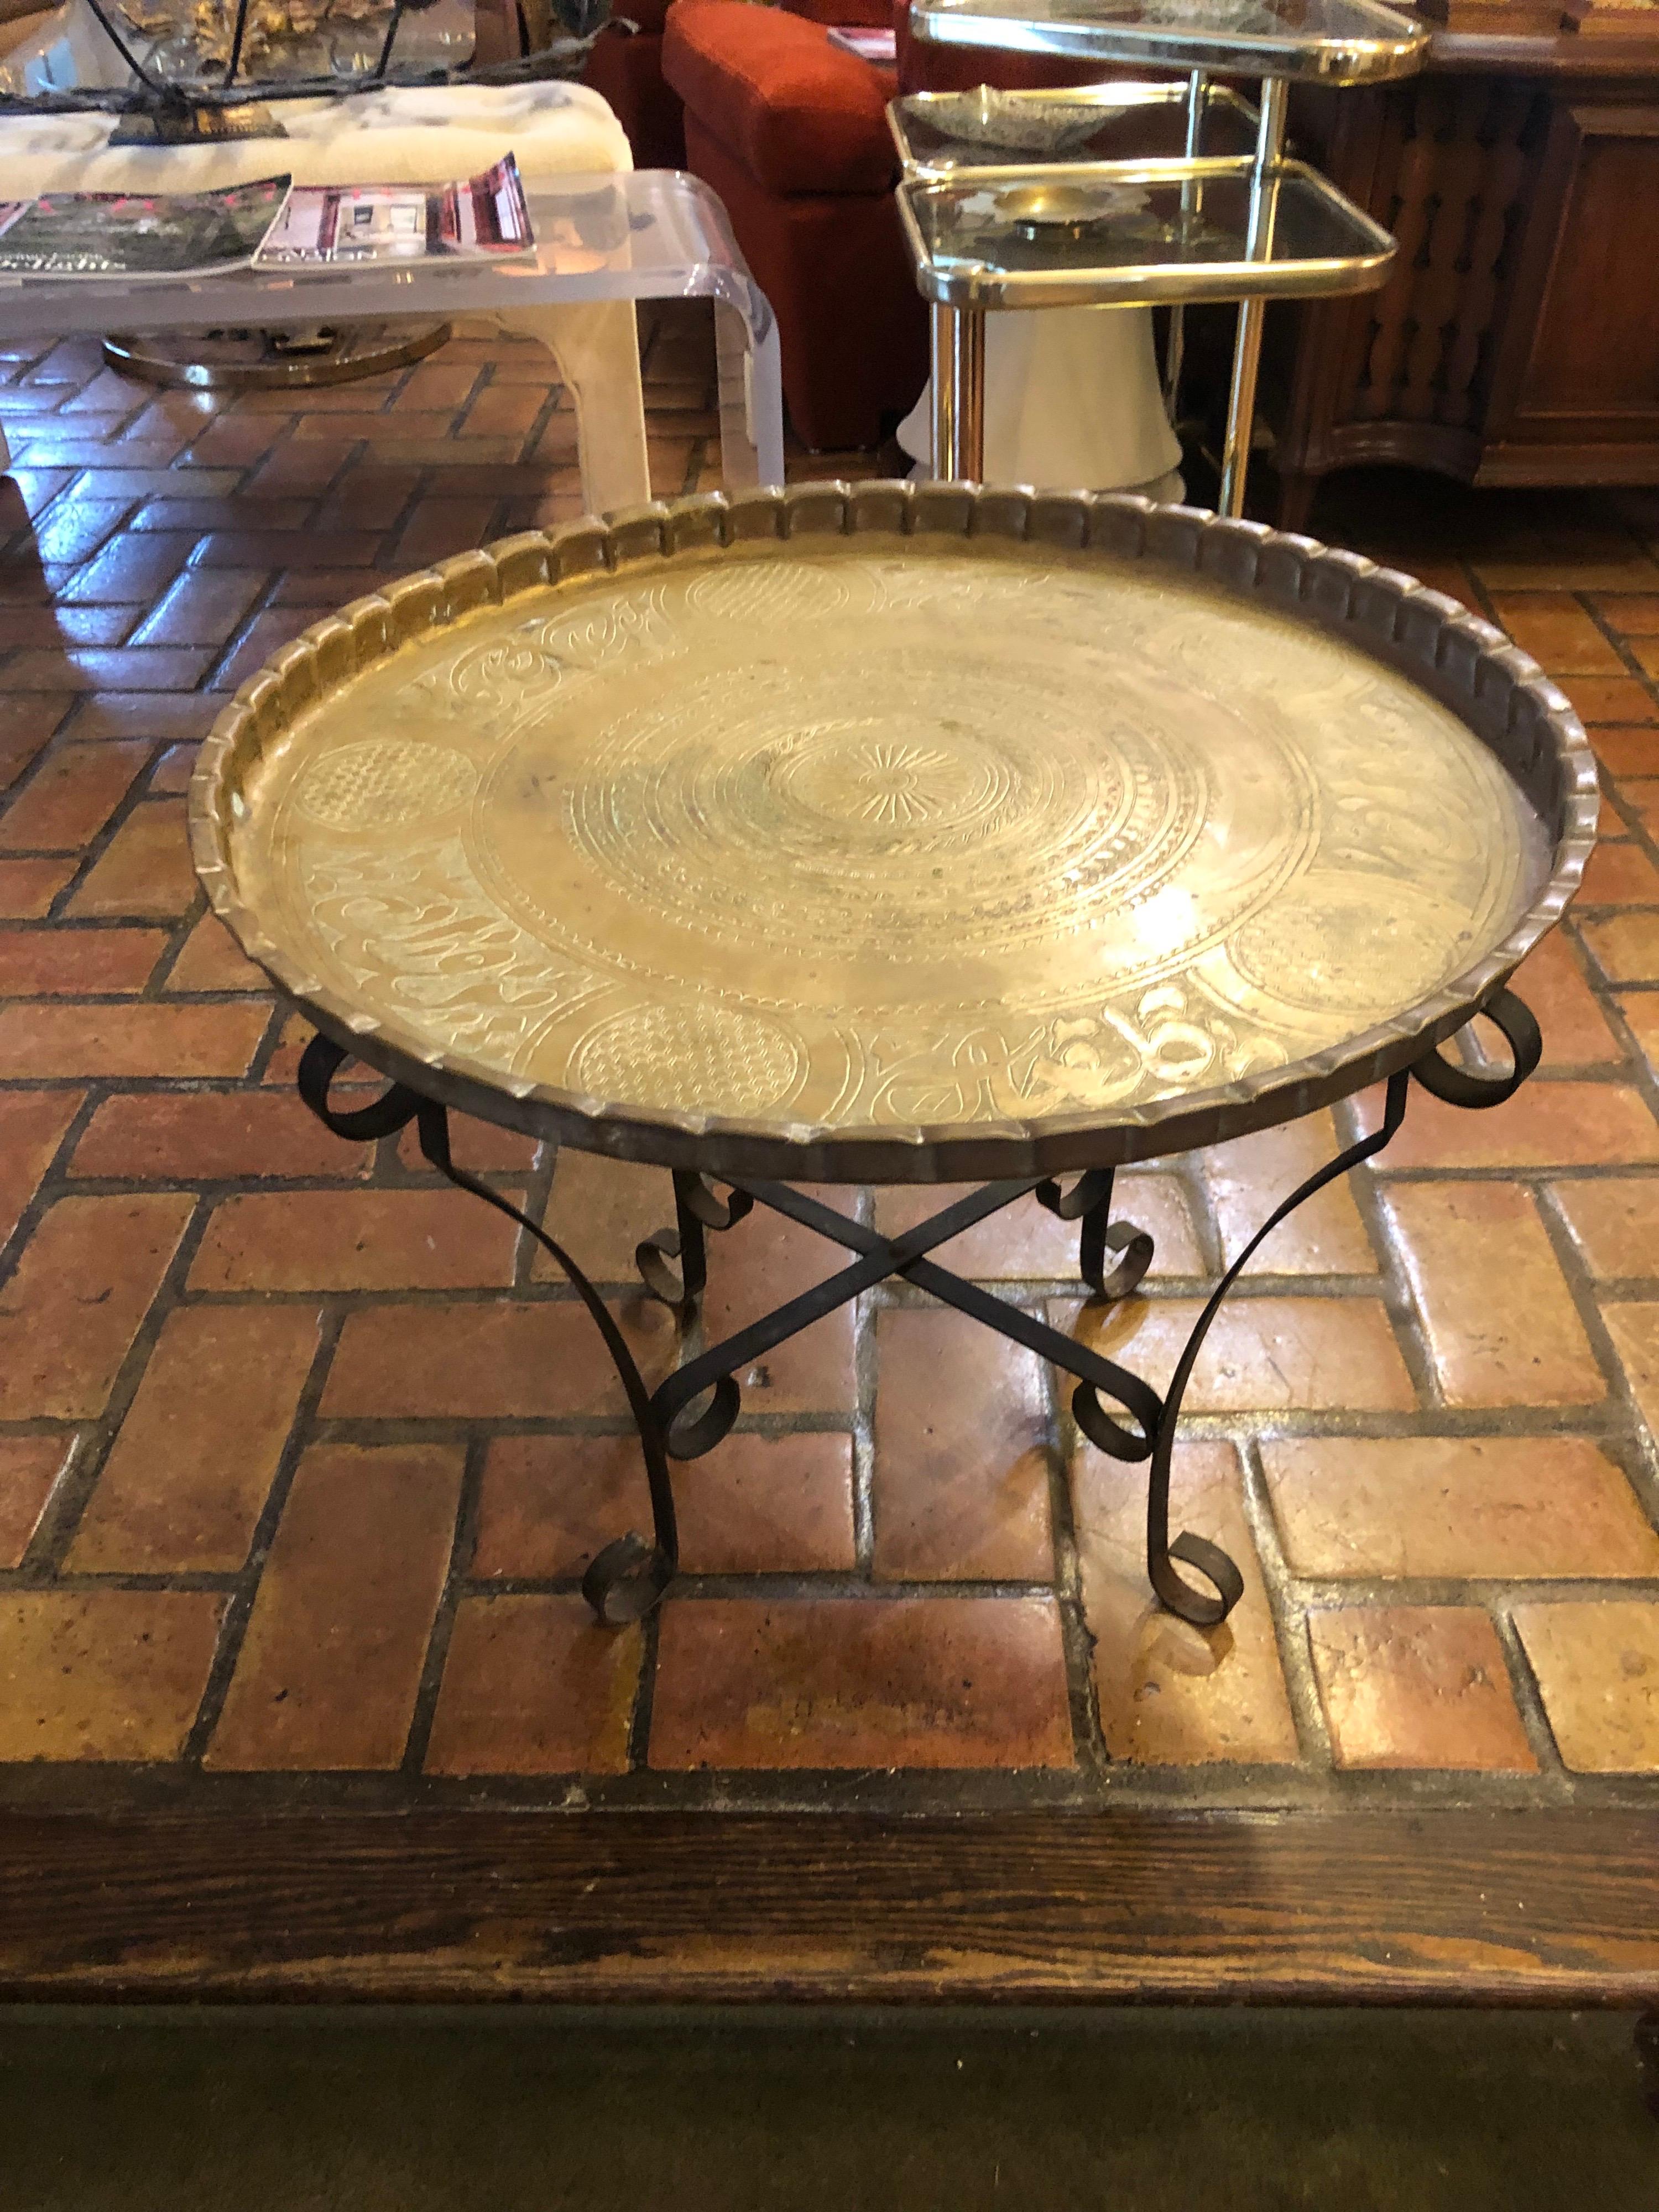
(627, 1579)
(1164, 1556)
(1458, 1087)
(1089, 1201)
(697, 1207)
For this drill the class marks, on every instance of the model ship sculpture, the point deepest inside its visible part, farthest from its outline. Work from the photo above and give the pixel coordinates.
(178, 71)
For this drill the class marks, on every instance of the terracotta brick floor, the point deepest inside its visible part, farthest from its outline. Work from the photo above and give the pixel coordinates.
(301, 1454)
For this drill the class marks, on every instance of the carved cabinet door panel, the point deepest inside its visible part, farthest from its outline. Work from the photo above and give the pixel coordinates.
(1579, 364)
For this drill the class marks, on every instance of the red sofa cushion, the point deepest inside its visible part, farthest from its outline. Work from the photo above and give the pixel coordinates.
(800, 114)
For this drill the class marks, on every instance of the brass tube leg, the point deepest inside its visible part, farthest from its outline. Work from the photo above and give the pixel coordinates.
(1175, 354)
(958, 390)
(1247, 345)
(942, 381)
(1240, 407)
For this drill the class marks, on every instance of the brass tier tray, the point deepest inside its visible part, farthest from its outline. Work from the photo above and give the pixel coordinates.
(939, 133)
(894, 833)
(1114, 233)
(1333, 42)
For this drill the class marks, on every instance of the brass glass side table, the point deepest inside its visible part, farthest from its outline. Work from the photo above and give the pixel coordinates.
(999, 216)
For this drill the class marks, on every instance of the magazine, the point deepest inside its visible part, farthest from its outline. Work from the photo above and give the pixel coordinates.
(486, 215)
(872, 45)
(138, 235)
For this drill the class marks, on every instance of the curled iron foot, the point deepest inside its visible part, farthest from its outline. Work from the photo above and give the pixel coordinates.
(629, 1577)
(1210, 1560)
(1177, 1594)
(627, 1580)
(690, 1435)
(1133, 1249)
(1458, 1086)
(1106, 1434)
(651, 1256)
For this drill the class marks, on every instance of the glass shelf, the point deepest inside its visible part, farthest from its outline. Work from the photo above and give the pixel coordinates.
(1111, 235)
(938, 133)
(1327, 41)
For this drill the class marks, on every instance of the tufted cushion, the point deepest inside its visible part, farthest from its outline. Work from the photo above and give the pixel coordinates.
(801, 115)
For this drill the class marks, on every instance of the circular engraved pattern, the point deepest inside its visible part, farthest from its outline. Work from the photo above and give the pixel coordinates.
(771, 591)
(887, 837)
(384, 783)
(866, 778)
(1350, 945)
(727, 1055)
(955, 806)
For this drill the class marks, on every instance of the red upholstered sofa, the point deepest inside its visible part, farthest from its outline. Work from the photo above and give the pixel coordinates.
(625, 68)
(791, 132)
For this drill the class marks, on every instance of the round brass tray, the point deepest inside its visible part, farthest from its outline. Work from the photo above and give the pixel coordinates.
(894, 833)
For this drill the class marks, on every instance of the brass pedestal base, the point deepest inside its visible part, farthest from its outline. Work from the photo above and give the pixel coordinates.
(240, 360)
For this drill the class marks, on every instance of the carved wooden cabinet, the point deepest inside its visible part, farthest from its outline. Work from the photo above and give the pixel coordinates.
(1518, 340)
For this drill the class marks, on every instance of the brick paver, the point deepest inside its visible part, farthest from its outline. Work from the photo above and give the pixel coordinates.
(302, 1455)
(1500, 1322)
(862, 1682)
(1417, 1686)
(1169, 1694)
(533, 1684)
(1597, 1667)
(29, 1467)
(328, 1669)
(961, 1486)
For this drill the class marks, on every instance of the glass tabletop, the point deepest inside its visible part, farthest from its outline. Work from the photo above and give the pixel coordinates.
(1331, 42)
(986, 128)
(648, 233)
(1106, 234)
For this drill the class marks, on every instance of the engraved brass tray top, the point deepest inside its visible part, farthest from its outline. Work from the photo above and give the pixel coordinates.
(894, 833)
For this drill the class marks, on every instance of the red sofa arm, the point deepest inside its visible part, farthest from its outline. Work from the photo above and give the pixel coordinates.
(800, 114)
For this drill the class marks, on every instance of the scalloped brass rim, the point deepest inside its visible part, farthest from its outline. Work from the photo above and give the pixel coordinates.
(1494, 689)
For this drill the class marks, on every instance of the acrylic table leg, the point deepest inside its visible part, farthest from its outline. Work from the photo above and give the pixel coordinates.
(597, 346)
(751, 401)
(958, 391)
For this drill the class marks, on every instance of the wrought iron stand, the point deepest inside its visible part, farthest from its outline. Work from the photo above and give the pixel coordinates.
(689, 1412)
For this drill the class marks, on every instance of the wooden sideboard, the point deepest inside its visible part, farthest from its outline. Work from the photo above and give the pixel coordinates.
(1518, 340)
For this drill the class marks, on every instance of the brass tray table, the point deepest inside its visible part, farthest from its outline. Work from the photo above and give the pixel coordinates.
(896, 834)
